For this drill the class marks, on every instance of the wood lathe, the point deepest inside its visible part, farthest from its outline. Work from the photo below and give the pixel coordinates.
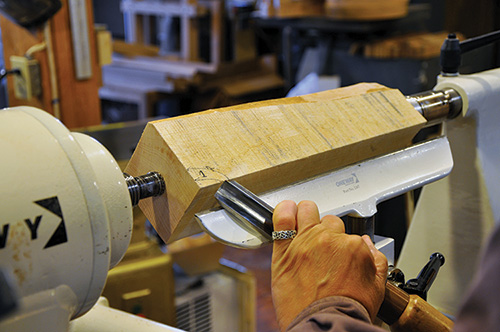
(265, 146)
(66, 206)
(77, 205)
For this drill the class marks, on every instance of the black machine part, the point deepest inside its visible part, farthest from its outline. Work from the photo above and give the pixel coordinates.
(8, 295)
(360, 226)
(423, 282)
(452, 50)
(29, 13)
(145, 186)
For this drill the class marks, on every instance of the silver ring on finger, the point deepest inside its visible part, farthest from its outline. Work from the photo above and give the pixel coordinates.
(284, 235)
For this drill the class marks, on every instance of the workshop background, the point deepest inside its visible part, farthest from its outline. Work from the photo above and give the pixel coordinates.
(106, 68)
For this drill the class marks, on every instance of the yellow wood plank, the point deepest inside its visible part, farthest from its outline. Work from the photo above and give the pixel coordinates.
(366, 9)
(128, 49)
(265, 145)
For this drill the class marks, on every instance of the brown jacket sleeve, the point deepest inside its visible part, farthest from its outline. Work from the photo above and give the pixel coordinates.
(334, 314)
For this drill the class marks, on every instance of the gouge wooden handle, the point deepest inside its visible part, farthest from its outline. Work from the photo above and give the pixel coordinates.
(410, 313)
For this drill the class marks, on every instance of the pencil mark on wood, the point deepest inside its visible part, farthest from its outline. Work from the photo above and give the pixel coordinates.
(388, 101)
(206, 173)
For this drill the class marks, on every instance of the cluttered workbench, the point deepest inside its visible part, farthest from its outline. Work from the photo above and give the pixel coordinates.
(293, 34)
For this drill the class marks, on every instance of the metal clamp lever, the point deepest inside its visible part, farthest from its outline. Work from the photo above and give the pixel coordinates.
(421, 284)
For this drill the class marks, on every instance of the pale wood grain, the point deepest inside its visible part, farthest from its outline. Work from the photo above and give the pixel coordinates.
(420, 316)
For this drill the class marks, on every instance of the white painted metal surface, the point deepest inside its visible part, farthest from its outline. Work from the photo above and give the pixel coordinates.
(65, 211)
(455, 215)
(102, 318)
(158, 7)
(46, 311)
(354, 189)
(113, 191)
(480, 94)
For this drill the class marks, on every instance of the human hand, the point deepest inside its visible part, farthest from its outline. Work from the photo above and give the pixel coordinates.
(322, 261)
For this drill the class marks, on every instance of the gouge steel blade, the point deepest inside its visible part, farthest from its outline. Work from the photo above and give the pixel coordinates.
(355, 189)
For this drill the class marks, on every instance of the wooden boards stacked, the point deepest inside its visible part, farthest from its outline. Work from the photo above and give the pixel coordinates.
(265, 145)
(364, 10)
(298, 8)
(422, 46)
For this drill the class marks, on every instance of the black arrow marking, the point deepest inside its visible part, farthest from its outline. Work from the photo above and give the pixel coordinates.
(3, 236)
(60, 236)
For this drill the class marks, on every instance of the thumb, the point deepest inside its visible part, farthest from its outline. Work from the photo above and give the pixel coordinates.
(379, 259)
